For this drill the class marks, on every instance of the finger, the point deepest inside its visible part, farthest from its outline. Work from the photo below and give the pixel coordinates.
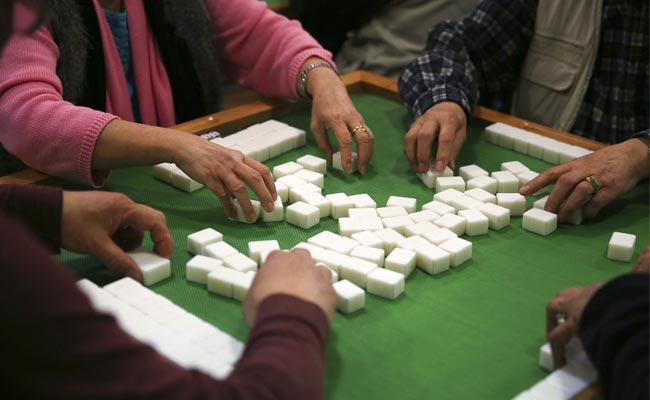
(410, 145)
(446, 139)
(425, 137)
(558, 338)
(324, 272)
(365, 147)
(143, 218)
(263, 170)
(238, 189)
(553, 307)
(345, 144)
(255, 180)
(218, 188)
(544, 179)
(564, 185)
(576, 199)
(599, 200)
(115, 259)
(459, 141)
(320, 134)
(128, 238)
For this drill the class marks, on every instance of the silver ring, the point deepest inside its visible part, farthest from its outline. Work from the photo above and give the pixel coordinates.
(560, 318)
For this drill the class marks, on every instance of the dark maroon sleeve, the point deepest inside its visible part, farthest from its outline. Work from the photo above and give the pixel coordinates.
(54, 345)
(38, 207)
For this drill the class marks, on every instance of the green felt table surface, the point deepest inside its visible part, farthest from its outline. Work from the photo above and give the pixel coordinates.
(473, 332)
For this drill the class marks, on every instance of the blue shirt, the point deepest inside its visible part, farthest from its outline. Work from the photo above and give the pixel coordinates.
(119, 25)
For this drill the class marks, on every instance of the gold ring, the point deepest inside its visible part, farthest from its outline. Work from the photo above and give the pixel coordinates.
(593, 182)
(361, 128)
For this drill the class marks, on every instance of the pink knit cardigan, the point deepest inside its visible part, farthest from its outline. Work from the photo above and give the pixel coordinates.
(263, 51)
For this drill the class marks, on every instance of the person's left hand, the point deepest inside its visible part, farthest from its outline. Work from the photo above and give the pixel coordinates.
(563, 318)
(333, 109)
(105, 225)
(618, 168)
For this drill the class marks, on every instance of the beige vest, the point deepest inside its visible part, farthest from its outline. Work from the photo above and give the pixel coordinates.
(559, 63)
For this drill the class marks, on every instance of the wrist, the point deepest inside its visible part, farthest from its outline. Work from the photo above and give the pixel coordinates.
(314, 73)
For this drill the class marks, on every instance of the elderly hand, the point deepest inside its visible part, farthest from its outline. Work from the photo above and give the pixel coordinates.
(642, 265)
(295, 274)
(446, 122)
(105, 225)
(617, 168)
(226, 172)
(563, 318)
(333, 109)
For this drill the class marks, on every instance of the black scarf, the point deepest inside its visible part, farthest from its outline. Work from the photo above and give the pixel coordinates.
(187, 43)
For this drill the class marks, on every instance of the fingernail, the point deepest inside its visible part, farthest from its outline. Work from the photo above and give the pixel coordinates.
(523, 189)
(251, 217)
(440, 166)
(270, 206)
(422, 167)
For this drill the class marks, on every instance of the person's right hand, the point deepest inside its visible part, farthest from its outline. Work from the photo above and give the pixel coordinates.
(446, 122)
(226, 172)
(295, 274)
(642, 265)
(105, 225)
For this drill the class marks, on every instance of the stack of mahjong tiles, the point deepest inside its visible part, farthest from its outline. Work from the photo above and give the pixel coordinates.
(260, 142)
(153, 319)
(537, 146)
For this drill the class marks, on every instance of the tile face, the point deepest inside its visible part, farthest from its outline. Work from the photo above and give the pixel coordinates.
(439, 208)
(621, 246)
(337, 164)
(363, 200)
(197, 241)
(498, 217)
(277, 214)
(313, 163)
(255, 248)
(450, 182)
(198, 268)
(154, 268)
(385, 283)
(514, 202)
(350, 298)
(219, 250)
(432, 259)
(468, 172)
(507, 182)
(460, 250)
(514, 167)
(477, 222)
(429, 178)
(285, 169)
(539, 221)
(486, 183)
(303, 215)
(340, 203)
(452, 222)
(312, 177)
(401, 260)
(408, 203)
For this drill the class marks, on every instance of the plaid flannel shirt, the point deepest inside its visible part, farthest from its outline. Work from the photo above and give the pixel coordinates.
(483, 53)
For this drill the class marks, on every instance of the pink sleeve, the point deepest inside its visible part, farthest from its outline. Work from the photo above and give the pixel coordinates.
(262, 50)
(36, 124)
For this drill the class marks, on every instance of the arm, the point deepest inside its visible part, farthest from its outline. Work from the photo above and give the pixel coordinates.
(267, 52)
(80, 144)
(54, 339)
(482, 51)
(614, 332)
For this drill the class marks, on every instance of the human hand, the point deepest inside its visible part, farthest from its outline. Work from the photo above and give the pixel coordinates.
(618, 168)
(106, 225)
(332, 109)
(295, 274)
(444, 121)
(567, 305)
(226, 172)
(642, 265)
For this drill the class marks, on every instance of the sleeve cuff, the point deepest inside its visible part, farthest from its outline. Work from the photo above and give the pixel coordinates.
(85, 173)
(440, 94)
